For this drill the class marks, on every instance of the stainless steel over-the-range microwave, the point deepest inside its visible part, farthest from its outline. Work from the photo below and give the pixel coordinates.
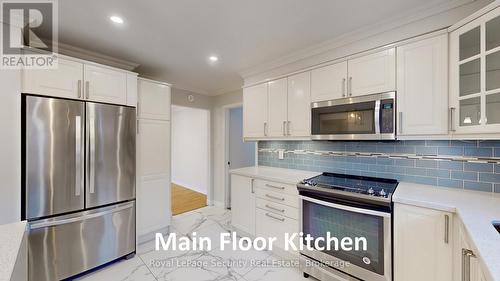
(371, 117)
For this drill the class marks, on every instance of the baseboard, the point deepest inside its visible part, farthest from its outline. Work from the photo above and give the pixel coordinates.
(217, 204)
(151, 235)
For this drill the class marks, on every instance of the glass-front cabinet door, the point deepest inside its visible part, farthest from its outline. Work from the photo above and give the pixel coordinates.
(475, 76)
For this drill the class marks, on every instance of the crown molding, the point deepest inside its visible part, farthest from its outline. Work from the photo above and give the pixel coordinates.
(475, 15)
(77, 52)
(401, 20)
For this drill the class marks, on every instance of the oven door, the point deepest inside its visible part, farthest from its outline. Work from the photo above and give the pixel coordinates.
(319, 217)
(359, 118)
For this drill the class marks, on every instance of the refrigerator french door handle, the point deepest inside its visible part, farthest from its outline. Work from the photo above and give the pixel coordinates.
(91, 154)
(78, 155)
(80, 218)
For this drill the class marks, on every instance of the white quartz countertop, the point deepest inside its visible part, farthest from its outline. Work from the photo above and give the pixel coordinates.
(477, 211)
(11, 238)
(288, 176)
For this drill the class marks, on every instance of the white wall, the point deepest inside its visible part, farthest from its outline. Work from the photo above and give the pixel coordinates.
(190, 148)
(10, 146)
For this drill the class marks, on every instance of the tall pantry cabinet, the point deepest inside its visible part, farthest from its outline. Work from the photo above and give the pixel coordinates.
(153, 158)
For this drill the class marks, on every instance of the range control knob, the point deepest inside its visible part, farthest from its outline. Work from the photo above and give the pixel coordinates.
(382, 193)
(370, 191)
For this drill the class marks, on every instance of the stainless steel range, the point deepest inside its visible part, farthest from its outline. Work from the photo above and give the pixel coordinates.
(348, 206)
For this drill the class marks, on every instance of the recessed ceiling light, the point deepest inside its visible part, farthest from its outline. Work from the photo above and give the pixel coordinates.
(213, 58)
(116, 19)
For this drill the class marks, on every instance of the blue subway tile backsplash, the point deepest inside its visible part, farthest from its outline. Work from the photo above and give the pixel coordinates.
(464, 164)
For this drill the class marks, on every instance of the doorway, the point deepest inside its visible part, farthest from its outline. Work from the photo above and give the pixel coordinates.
(239, 154)
(190, 158)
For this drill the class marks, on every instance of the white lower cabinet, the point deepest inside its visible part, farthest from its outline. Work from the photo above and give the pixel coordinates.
(272, 224)
(423, 246)
(243, 200)
(153, 176)
(266, 209)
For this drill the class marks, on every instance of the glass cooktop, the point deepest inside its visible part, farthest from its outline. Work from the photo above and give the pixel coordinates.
(378, 187)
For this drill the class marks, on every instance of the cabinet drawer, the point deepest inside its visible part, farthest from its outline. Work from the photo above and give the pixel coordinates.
(277, 208)
(276, 187)
(269, 224)
(277, 197)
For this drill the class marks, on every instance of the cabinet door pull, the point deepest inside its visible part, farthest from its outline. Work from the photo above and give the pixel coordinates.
(343, 88)
(350, 86)
(275, 198)
(87, 88)
(452, 119)
(400, 122)
(288, 125)
(273, 217)
(274, 186)
(284, 128)
(275, 209)
(79, 88)
(265, 129)
(252, 186)
(466, 256)
(446, 229)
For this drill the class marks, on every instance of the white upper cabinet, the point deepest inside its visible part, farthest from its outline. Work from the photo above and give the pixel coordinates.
(105, 85)
(65, 81)
(422, 88)
(154, 100)
(75, 79)
(132, 89)
(299, 105)
(277, 107)
(475, 75)
(371, 74)
(423, 246)
(329, 82)
(255, 110)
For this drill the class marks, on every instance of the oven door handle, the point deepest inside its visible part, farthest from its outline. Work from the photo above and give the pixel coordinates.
(346, 208)
(377, 117)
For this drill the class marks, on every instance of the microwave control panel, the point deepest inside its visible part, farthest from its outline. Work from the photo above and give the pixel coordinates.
(387, 112)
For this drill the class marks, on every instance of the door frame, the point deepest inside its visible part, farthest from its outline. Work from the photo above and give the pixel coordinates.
(226, 179)
(209, 151)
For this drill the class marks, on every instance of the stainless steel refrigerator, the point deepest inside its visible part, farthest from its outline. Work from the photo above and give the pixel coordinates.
(78, 185)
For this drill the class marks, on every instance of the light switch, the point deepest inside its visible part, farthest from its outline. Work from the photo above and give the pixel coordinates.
(281, 154)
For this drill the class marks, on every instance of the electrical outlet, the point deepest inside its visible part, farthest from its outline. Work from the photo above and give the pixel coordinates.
(281, 154)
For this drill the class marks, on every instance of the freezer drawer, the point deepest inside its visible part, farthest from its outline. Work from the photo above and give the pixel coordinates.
(110, 154)
(54, 162)
(65, 246)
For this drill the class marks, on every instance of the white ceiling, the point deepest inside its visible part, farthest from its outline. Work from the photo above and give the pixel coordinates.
(172, 39)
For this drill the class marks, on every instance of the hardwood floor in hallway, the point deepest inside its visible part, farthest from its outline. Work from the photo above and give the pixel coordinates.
(185, 199)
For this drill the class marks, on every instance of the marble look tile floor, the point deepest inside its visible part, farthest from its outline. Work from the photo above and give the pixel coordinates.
(216, 265)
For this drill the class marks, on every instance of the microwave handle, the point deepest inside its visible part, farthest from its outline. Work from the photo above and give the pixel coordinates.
(377, 117)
